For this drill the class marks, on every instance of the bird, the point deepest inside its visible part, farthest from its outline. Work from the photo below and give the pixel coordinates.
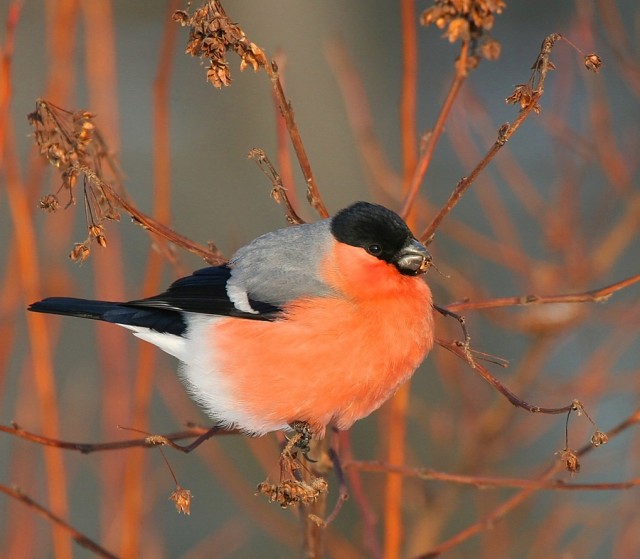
(318, 323)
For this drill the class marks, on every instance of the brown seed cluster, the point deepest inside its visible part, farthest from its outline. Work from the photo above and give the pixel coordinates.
(524, 96)
(468, 21)
(599, 438)
(292, 491)
(528, 94)
(182, 498)
(62, 136)
(71, 142)
(593, 62)
(570, 459)
(211, 35)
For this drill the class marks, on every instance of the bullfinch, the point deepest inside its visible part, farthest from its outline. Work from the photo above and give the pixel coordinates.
(317, 323)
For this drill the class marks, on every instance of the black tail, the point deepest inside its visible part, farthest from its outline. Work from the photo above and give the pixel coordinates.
(158, 319)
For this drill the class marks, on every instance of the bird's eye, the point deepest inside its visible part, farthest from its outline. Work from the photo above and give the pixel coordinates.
(374, 249)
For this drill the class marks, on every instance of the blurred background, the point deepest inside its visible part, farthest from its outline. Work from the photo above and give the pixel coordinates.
(556, 212)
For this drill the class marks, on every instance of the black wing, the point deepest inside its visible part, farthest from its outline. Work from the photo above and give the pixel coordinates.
(202, 292)
(158, 319)
(205, 292)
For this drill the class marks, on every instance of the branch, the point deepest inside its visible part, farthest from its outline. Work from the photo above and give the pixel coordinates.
(72, 143)
(487, 482)
(212, 34)
(599, 295)
(313, 194)
(210, 255)
(434, 135)
(78, 537)
(528, 96)
(147, 442)
(501, 510)
(278, 191)
(461, 351)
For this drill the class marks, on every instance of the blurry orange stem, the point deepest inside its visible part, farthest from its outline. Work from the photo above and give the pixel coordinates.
(78, 537)
(40, 346)
(147, 357)
(6, 57)
(409, 89)
(396, 433)
(39, 340)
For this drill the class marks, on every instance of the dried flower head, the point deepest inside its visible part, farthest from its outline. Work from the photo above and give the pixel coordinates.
(211, 35)
(599, 438)
(578, 407)
(467, 21)
(593, 62)
(156, 440)
(292, 491)
(182, 498)
(524, 95)
(71, 142)
(570, 459)
(80, 252)
(49, 203)
(490, 49)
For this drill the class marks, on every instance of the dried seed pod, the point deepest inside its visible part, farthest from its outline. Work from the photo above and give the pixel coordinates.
(80, 252)
(570, 459)
(182, 498)
(593, 62)
(49, 203)
(599, 438)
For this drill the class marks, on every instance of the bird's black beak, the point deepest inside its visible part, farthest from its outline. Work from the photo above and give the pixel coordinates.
(413, 259)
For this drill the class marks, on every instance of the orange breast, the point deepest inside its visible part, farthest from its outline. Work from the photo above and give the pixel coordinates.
(332, 360)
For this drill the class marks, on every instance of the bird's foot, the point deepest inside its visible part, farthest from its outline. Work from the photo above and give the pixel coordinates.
(301, 439)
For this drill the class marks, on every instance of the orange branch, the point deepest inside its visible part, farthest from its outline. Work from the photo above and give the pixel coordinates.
(594, 296)
(434, 135)
(409, 89)
(57, 521)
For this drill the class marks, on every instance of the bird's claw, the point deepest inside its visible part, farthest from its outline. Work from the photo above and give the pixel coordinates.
(301, 439)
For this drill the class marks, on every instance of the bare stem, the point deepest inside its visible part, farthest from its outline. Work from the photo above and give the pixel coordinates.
(313, 194)
(594, 296)
(80, 538)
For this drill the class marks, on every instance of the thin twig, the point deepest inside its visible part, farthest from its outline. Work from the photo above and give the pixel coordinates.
(594, 296)
(488, 482)
(500, 511)
(528, 96)
(285, 164)
(343, 493)
(278, 192)
(458, 349)
(313, 194)
(80, 538)
(210, 255)
(146, 442)
(464, 184)
(434, 135)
